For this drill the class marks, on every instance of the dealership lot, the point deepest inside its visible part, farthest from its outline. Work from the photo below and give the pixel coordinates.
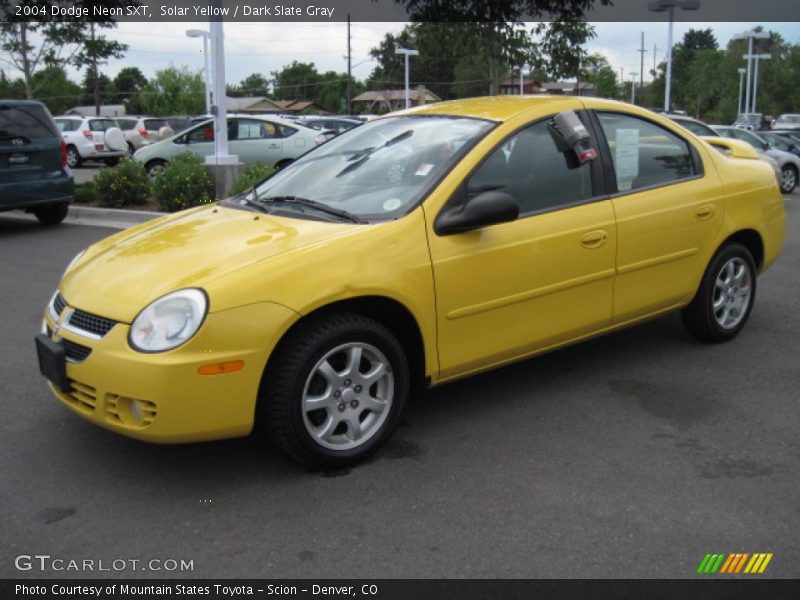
(632, 455)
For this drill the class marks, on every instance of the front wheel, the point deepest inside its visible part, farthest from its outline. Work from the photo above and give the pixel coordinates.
(334, 391)
(725, 298)
(155, 167)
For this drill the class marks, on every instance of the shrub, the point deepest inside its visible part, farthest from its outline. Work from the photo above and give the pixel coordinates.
(124, 185)
(252, 175)
(183, 183)
(86, 193)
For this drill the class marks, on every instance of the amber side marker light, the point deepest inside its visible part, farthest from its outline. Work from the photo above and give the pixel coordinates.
(221, 368)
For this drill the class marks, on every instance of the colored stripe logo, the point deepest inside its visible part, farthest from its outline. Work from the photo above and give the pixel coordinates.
(733, 563)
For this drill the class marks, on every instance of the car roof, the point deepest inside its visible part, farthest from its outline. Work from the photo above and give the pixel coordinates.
(7, 101)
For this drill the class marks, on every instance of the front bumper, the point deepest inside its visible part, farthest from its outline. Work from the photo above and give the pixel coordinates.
(175, 403)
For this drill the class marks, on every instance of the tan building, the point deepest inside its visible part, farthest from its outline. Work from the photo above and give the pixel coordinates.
(381, 101)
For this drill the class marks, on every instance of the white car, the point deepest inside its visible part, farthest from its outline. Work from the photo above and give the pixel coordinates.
(91, 138)
(269, 140)
(141, 131)
(789, 164)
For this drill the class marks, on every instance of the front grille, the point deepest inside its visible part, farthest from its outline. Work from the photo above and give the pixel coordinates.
(75, 352)
(59, 304)
(82, 396)
(92, 323)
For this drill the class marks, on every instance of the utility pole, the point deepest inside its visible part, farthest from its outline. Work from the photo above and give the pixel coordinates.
(655, 64)
(641, 70)
(349, 68)
(95, 74)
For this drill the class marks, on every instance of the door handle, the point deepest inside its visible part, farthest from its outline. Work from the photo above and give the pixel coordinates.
(594, 239)
(273, 146)
(705, 212)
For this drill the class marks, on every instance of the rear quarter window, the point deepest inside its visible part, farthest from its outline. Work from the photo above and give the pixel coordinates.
(32, 122)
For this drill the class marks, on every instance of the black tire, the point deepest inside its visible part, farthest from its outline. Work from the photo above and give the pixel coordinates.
(700, 317)
(154, 167)
(788, 179)
(112, 162)
(52, 214)
(74, 159)
(280, 404)
(282, 164)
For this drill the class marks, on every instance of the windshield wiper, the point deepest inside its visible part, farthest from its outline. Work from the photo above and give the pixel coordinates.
(245, 201)
(337, 212)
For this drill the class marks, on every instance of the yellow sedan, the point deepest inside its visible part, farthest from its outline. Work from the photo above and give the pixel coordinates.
(419, 248)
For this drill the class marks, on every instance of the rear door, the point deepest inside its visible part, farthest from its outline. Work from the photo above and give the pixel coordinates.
(254, 140)
(668, 208)
(30, 147)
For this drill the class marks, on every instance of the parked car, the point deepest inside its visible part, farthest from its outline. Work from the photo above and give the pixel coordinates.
(791, 134)
(33, 162)
(329, 127)
(141, 131)
(91, 138)
(420, 248)
(253, 138)
(789, 163)
(781, 142)
(787, 121)
(751, 122)
(693, 125)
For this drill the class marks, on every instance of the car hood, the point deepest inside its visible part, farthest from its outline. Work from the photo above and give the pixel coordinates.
(119, 276)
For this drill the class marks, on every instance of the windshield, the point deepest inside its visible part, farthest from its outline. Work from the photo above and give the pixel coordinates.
(379, 170)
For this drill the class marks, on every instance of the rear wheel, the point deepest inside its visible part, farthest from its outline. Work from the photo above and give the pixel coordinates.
(52, 214)
(723, 303)
(788, 179)
(334, 391)
(74, 159)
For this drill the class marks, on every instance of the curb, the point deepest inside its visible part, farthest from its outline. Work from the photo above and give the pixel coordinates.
(109, 217)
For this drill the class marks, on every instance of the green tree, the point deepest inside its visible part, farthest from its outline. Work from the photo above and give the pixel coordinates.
(95, 49)
(97, 86)
(56, 90)
(173, 91)
(297, 81)
(128, 82)
(596, 70)
(254, 84)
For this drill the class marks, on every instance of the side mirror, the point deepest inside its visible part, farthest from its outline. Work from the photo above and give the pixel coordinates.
(487, 208)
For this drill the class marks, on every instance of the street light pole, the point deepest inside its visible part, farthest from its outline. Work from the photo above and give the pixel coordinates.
(407, 52)
(757, 57)
(742, 71)
(633, 86)
(749, 36)
(194, 33)
(670, 6)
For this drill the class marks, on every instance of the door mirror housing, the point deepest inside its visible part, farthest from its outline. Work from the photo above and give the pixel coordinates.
(487, 208)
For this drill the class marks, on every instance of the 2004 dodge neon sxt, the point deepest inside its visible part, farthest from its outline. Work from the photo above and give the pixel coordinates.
(421, 247)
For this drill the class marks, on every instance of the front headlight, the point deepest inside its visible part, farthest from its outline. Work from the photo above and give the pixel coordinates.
(169, 321)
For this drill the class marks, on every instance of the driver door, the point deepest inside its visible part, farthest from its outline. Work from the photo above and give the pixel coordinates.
(508, 290)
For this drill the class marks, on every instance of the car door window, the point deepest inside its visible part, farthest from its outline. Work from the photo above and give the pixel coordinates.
(201, 134)
(645, 154)
(101, 124)
(529, 167)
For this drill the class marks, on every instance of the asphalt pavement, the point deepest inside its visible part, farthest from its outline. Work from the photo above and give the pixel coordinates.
(631, 455)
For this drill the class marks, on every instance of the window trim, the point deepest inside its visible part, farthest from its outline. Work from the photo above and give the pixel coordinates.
(599, 192)
(611, 174)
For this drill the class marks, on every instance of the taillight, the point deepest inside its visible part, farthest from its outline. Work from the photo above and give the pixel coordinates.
(143, 133)
(63, 154)
(87, 134)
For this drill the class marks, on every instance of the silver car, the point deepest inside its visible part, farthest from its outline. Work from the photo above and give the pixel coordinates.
(91, 138)
(142, 131)
(253, 138)
(789, 163)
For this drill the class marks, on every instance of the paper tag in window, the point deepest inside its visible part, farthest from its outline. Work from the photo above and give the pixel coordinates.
(627, 154)
(423, 170)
